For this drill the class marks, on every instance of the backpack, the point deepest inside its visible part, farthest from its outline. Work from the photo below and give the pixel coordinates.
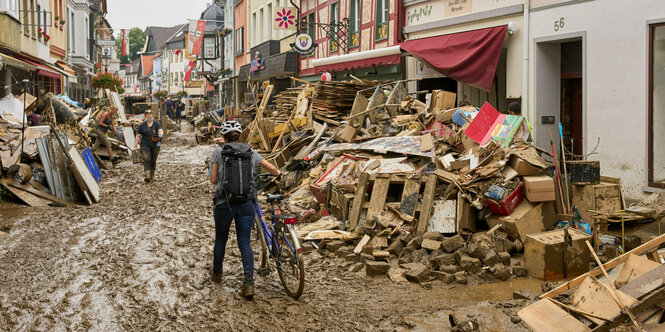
(236, 173)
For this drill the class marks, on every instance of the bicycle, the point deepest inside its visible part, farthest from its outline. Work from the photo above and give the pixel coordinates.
(279, 242)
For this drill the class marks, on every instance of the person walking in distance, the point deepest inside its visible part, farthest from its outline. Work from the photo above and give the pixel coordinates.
(105, 123)
(150, 136)
(232, 171)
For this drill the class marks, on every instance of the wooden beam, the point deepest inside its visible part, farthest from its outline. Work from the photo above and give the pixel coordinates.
(643, 249)
(426, 209)
(356, 207)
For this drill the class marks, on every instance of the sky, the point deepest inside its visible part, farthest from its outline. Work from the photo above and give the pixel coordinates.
(126, 14)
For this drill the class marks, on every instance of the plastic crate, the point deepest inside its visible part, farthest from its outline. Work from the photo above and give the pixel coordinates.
(506, 206)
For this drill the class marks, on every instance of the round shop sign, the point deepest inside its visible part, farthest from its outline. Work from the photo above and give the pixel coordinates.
(303, 44)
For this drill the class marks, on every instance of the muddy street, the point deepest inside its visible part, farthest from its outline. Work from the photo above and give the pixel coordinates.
(140, 260)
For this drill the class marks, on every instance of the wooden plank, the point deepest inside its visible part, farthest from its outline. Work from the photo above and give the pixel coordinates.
(426, 209)
(644, 248)
(354, 215)
(595, 297)
(653, 298)
(361, 244)
(634, 267)
(23, 195)
(654, 256)
(127, 131)
(42, 194)
(378, 198)
(545, 316)
(65, 184)
(77, 176)
(306, 151)
(645, 283)
(410, 196)
(81, 168)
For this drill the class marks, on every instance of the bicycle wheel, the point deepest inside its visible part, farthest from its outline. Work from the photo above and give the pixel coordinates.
(290, 266)
(260, 244)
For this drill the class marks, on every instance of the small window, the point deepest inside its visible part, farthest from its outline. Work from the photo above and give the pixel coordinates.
(210, 48)
(240, 40)
(334, 19)
(382, 10)
(354, 23)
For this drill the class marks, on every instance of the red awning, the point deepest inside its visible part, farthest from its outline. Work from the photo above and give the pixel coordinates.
(379, 61)
(470, 56)
(44, 70)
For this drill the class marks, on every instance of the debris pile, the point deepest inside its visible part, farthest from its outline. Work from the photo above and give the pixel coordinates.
(45, 152)
(427, 190)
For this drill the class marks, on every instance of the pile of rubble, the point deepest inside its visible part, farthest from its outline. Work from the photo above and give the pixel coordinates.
(45, 148)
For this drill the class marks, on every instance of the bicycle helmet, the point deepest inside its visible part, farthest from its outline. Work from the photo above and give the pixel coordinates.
(230, 126)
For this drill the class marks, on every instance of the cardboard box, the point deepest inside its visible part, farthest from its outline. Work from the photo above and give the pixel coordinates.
(527, 218)
(348, 133)
(545, 253)
(539, 188)
(522, 167)
(442, 100)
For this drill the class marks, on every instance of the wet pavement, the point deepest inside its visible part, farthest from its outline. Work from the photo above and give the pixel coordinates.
(140, 260)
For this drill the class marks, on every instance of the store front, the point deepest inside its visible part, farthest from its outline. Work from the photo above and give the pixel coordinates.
(474, 49)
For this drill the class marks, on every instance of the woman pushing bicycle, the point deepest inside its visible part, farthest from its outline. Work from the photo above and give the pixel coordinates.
(232, 171)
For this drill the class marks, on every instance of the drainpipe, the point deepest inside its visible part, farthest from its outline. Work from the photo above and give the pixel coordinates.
(525, 67)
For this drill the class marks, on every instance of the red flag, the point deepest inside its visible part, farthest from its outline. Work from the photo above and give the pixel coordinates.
(125, 42)
(188, 71)
(177, 52)
(196, 36)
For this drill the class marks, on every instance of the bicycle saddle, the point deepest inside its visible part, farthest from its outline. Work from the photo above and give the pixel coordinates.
(274, 198)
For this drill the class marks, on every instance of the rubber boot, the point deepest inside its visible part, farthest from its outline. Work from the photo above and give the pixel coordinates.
(152, 176)
(247, 291)
(147, 176)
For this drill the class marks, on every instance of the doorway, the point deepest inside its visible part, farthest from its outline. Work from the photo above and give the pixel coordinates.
(571, 98)
(559, 93)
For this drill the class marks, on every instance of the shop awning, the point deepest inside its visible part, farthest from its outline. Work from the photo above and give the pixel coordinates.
(382, 56)
(45, 70)
(16, 63)
(470, 56)
(66, 68)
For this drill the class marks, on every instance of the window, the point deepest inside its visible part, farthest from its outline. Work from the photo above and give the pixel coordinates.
(11, 7)
(71, 24)
(310, 28)
(69, 34)
(382, 8)
(39, 17)
(33, 22)
(44, 13)
(334, 19)
(254, 37)
(25, 10)
(240, 40)
(657, 105)
(261, 24)
(354, 23)
(269, 21)
(210, 50)
(87, 37)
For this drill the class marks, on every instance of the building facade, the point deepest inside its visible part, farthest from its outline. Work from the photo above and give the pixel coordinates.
(79, 48)
(350, 50)
(597, 66)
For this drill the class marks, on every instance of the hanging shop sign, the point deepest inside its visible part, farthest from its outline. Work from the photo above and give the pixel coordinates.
(304, 44)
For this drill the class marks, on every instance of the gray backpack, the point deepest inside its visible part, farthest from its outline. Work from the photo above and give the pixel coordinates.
(236, 173)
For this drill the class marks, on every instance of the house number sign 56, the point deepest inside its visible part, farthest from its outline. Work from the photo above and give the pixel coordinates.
(559, 24)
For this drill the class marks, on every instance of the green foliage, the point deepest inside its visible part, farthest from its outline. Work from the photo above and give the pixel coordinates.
(181, 93)
(136, 42)
(5, 195)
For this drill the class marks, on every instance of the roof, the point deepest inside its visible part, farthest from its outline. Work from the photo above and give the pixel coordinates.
(179, 35)
(157, 36)
(135, 65)
(146, 64)
(213, 13)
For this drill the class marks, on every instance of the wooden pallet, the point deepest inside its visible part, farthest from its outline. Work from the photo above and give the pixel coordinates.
(377, 198)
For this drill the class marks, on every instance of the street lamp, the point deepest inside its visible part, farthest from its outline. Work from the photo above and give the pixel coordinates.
(106, 61)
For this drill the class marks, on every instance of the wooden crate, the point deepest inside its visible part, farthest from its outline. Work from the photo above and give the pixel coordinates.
(604, 197)
(545, 253)
(408, 205)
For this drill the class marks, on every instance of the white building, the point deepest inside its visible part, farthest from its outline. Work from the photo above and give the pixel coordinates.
(79, 56)
(598, 66)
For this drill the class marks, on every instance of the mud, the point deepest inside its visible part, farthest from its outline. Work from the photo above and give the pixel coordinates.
(140, 260)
